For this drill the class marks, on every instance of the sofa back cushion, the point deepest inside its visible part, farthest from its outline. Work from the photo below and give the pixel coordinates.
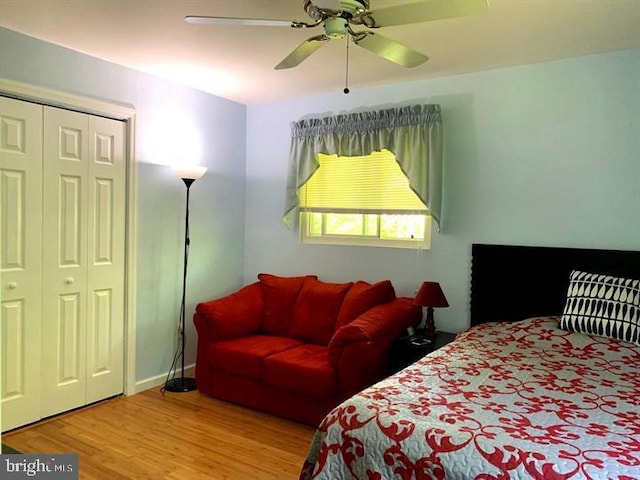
(363, 296)
(235, 315)
(280, 296)
(316, 310)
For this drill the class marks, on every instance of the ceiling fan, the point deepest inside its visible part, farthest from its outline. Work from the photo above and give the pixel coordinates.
(340, 18)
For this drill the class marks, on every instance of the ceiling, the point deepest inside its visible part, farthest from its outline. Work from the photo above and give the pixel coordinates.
(237, 62)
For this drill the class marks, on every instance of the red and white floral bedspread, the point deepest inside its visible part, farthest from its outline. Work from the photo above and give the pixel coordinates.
(504, 401)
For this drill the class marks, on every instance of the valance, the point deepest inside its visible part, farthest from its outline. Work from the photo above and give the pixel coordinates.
(412, 133)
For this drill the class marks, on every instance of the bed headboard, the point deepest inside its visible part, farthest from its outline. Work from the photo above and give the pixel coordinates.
(510, 283)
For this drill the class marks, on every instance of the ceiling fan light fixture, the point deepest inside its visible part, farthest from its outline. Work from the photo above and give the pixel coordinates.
(335, 27)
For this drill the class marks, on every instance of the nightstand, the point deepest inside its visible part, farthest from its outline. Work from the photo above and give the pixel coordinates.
(406, 350)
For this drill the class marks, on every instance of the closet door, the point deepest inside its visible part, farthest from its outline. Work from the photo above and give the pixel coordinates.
(106, 259)
(62, 201)
(20, 260)
(84, 259)
(65, 228)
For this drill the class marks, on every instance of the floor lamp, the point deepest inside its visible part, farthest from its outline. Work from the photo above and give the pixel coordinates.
(182, 384)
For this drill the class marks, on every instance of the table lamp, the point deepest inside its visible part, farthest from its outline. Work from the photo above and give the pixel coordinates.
(431, 296)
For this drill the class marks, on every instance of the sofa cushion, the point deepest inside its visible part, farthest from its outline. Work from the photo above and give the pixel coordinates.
(280, 295)
(304, 369)
(316, 310)
(245, 356)
(234, 315)
(363, 296)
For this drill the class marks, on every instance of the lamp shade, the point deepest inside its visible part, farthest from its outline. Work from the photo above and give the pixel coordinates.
(190, 172)
(431, 295)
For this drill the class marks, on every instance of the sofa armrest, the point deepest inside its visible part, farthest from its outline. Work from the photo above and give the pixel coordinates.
(359, 351)
(235, 315)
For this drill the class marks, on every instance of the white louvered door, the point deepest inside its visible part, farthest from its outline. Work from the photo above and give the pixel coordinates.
(82, 239)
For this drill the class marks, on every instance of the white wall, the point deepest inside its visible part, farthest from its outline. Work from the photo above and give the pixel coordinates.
(206, 129)
(547, 154)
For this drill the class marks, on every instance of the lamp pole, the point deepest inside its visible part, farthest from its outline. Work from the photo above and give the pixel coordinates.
(183, 384)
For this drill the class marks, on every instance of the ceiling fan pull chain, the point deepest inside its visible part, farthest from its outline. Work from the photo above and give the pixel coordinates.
(346, 80)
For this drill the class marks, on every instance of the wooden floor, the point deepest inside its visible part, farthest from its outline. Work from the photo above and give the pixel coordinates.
(179, 436)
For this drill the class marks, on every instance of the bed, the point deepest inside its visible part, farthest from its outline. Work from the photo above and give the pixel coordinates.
(513, 397)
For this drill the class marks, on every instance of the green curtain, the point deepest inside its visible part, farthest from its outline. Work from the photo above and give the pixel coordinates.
(412, 133)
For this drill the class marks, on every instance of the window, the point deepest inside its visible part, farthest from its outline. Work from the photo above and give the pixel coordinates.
(367, 178)
(363, 200)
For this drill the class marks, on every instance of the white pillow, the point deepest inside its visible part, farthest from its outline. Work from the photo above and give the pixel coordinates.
(603, 305)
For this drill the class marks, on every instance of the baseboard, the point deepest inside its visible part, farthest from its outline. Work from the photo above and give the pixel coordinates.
(158, 380)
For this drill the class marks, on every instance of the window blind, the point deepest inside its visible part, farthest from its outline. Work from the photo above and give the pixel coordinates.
(371, 183)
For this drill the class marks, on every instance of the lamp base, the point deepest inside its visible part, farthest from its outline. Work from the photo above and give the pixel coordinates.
(181, 385)
(429, 325)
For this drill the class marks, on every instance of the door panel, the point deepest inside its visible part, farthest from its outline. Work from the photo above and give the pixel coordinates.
(20, 260)
(13, 215)
(68, 360)
(65, 227)
(13, 379)
(70, 228)
(105, 320)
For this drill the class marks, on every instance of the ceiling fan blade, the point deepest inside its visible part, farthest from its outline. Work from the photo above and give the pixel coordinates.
(254, 22)
(426, 11)
(391, 50)
(302, 52)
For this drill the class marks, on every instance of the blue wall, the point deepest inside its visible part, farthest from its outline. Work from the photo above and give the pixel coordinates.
(547, 154)
(167, 116)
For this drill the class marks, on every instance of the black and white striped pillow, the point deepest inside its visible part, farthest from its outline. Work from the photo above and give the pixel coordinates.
(603, 305)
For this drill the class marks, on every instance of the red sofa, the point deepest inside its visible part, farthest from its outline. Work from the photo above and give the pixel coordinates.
(296, 346)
